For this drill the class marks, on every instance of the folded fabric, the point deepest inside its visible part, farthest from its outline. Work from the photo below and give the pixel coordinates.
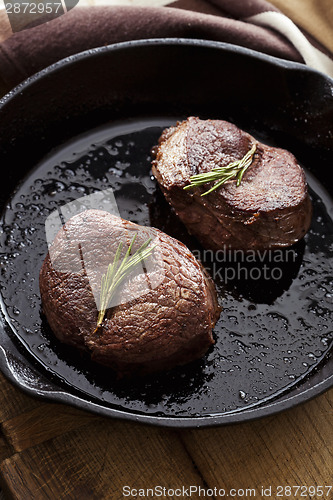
(255, 24)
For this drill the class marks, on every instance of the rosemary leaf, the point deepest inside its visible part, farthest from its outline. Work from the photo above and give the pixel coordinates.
(118, 271)
(234, 170)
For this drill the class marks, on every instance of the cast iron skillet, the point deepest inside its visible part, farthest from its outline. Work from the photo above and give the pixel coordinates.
(88, 123)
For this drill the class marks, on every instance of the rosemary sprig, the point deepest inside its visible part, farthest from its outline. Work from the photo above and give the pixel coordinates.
(236, 169)
(118, 271)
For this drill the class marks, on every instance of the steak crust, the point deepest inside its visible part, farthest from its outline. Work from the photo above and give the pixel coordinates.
(167, 326)
(271, 207)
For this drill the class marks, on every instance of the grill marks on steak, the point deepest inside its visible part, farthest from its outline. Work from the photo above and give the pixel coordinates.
(167, 326)
(270, 209)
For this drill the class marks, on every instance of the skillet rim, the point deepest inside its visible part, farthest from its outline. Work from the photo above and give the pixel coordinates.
(48, 389)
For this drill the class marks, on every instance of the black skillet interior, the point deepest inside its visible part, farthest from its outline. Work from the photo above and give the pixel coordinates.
(89, 123)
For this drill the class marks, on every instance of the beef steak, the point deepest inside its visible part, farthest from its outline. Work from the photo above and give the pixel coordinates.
(168, 325)
(270, 208)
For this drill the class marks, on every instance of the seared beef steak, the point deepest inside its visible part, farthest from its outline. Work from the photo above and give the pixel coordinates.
(270, 208)
(165, 326)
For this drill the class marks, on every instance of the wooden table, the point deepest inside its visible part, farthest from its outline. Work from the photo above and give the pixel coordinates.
(52, 451)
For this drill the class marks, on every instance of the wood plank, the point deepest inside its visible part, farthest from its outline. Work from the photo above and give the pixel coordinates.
(6, 30)
(13, 401)
(5, 449)
(96, 461)
(40, 424)
(292, 448)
